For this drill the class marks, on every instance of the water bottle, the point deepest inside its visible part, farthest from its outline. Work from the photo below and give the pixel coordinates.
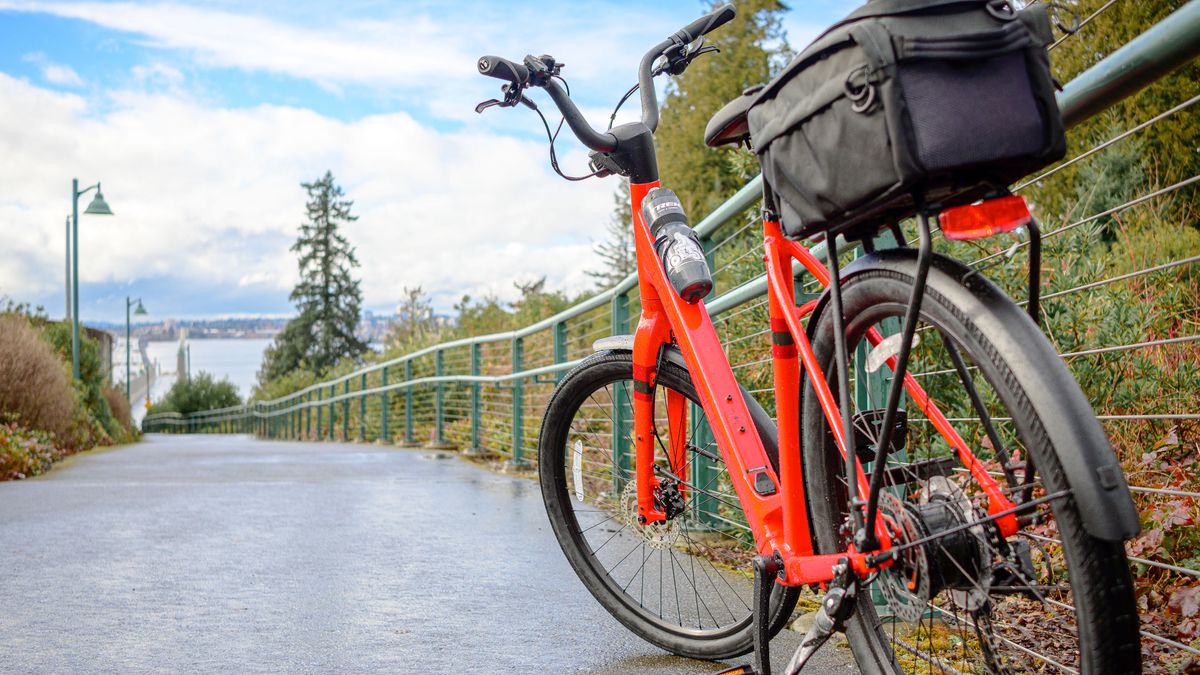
(677, 245)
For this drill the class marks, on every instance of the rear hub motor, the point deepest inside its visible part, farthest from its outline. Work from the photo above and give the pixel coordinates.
(955, 562)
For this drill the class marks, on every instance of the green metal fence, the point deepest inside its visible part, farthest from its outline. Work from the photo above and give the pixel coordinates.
(486, 393)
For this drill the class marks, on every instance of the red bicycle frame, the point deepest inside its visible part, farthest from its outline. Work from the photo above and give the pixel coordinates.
(777, 512)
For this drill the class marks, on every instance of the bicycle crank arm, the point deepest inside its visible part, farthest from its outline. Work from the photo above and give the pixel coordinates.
(765, 571)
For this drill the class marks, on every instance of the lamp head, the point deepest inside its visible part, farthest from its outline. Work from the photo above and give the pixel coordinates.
(140, 310)
(98, 207)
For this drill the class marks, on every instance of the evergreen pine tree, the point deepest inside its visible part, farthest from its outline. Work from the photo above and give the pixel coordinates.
(616, 251)
(753, 49)
(415, 325)
(328, 297)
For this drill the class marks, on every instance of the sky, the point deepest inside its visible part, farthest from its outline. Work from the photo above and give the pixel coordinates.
(200, 121)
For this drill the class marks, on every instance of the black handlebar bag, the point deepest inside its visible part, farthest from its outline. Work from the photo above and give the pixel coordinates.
(946, 101)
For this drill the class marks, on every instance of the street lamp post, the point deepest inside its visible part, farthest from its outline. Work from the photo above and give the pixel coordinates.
(140, 311)
(97, 207)
(67, 275)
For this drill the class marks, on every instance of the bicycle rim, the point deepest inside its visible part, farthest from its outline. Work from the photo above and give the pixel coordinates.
(683, 584)
(969, 601)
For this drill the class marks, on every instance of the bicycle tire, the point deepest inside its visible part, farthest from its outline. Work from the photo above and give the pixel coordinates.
(979, 318)
(720, 642)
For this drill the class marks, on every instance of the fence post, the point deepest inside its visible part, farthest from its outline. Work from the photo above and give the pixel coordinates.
(307, 415)
(384, 432)
(332, 394)
(346, 411)
(703, 471)
(439, 403)
(704, 505)
(518, 403)
(408, 403)
(362, 409)
(560, 347)
(320, 415)
(621, 412)
(476, 353)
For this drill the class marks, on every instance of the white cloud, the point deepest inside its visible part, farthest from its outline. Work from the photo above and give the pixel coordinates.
(416, 48)
(54, 73)
(211, 197)
(156, 72)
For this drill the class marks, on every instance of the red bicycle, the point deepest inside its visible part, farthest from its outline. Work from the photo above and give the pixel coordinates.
(972, 522)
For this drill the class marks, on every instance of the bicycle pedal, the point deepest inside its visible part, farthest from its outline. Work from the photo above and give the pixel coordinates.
(739, 670)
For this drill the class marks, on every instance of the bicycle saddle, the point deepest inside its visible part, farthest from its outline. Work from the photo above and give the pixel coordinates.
(729, 124)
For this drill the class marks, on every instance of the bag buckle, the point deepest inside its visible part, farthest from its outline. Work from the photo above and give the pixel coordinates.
(863, 95)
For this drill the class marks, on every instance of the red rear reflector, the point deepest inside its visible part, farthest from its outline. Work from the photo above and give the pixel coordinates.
(984, 219)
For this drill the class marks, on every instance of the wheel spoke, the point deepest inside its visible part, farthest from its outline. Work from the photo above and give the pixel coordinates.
(658, 566)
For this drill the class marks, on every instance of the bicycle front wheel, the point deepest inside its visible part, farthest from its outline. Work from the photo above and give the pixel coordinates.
(1051, 598)
(682, 584)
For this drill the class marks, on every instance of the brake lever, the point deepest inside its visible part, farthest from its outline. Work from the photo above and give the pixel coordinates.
(678, 58)
(512, 96)
(490, 103)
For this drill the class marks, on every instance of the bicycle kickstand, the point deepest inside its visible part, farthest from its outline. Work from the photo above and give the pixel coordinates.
(836, 607)
(765, 570)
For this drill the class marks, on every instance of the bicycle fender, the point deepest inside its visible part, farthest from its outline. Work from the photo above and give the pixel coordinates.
(765, 425)
(1092, 470)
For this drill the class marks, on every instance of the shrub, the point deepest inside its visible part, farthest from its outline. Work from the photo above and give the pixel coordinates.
(202, 392)
(121, 410)
(35, 388)
(92, 378)
(25, 453)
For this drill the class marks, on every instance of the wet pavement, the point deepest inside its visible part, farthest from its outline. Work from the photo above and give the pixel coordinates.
(227, 554)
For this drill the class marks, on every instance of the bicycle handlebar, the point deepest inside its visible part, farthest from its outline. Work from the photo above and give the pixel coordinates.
(519, 75)
(503, 69)
(706, 24)
(595, 140)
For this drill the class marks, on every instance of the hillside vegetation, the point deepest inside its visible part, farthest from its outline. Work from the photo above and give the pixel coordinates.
(44, 416)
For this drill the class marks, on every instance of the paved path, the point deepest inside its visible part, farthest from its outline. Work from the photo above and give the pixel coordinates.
(226, 554)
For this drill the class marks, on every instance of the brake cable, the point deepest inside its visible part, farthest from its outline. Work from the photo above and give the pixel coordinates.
(554, 137)
(675, 66)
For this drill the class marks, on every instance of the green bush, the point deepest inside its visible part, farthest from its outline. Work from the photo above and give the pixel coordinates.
(201, 392)
(91, 382)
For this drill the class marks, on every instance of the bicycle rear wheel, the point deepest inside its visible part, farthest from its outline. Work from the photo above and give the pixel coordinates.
(683, 584)
(1051, 598)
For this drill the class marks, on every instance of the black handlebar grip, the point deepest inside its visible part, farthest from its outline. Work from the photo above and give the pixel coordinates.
(707, 23)
(503, 69)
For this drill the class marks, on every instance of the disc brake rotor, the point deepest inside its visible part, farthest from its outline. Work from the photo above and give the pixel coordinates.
(905, 584)
(661, 535)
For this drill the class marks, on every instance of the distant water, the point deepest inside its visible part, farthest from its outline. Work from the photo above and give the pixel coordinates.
(232, 359)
